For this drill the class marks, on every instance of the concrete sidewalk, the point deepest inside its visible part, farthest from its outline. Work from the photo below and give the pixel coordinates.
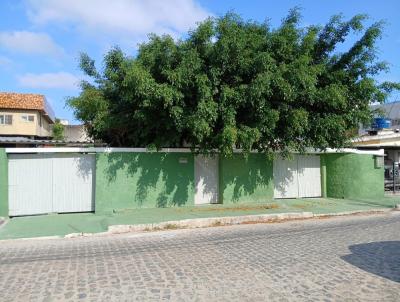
(63, 224)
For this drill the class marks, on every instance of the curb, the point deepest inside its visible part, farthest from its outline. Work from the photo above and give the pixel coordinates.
(31, 238)
(359, 212)
(212, 222)
(233, 220)
(208, 222)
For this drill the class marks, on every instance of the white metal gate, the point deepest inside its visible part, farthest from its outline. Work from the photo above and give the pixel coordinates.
(299, 177)
(309, 175)
(206, 179)
(46, 183)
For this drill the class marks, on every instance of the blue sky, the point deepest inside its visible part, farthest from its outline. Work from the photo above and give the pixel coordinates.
(40, 40)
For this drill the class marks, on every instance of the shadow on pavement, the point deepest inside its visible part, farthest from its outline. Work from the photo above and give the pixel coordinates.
(379, 258)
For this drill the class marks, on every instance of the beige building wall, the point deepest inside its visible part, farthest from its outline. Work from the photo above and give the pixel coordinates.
(38, 127)
(43, 126)
(75, 133)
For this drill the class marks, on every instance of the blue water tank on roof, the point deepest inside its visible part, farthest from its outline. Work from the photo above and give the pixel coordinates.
(381, 123)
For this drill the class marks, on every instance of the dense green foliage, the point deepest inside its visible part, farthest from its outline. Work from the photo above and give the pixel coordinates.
(58, 131)
(235, 83)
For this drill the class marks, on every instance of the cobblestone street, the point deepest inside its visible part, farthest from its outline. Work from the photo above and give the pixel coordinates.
(338, 259)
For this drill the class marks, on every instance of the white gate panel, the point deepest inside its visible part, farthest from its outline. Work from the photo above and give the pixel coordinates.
(285, 178)
(206, 179)
(46, 183)
(72, 183)
(30, 184)
(299, 177)
(309, 171)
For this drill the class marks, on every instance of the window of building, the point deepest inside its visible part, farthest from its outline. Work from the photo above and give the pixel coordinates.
(5, 119)
(395, 122)
(28, 118)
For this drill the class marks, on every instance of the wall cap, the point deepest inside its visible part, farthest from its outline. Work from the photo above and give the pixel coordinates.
(379, 152)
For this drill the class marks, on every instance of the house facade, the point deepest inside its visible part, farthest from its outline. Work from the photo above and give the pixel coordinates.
(107, 180)
(384, 133)
(25, 115)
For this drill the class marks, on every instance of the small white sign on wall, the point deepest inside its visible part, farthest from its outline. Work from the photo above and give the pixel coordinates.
(379, 162)
(183, 160)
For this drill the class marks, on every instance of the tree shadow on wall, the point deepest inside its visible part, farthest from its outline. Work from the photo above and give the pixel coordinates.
(206, 180)
(159, 178)
(285, 182)
(379, 258)
(247, 175)
(85, 163)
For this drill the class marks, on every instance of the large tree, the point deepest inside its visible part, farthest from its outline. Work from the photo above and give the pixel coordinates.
(237, 84)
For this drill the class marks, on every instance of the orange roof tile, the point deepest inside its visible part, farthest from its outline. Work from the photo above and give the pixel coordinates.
(29, 101)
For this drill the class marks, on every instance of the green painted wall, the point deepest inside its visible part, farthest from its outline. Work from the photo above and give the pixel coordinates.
(353, 176)
(143, 180)
(245, 180)
(146, 180)
(3, 183)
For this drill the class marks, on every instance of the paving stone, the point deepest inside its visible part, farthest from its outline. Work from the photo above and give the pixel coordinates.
(340, 259)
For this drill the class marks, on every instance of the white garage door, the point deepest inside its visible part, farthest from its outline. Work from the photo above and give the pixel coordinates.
(50, 183)
(309, 173)
(206, 179)
(299, 177)
(286, 183)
